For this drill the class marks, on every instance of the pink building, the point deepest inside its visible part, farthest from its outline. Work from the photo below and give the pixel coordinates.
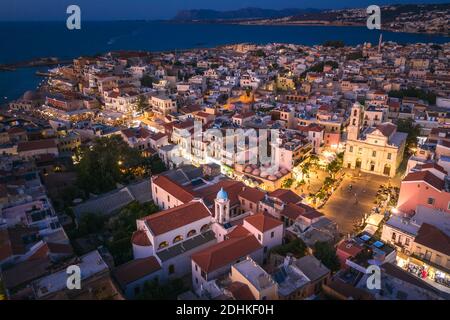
(423, 188)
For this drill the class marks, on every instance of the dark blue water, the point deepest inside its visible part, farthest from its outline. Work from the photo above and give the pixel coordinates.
(23, 41)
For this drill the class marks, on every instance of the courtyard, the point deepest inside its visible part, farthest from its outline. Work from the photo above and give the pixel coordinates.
(353, 198)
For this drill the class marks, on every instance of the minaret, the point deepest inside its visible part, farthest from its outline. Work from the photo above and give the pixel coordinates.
(355, 122)
(222, 207)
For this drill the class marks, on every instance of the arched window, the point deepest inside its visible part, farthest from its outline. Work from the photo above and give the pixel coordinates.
(163, 244)
(191, 233)
(355, 113)
(177, 239)
(204, 228)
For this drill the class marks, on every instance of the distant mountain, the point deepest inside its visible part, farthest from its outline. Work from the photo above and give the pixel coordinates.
(246, 13)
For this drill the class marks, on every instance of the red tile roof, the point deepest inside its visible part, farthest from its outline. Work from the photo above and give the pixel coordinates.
(293, 211)
(432, 166)
(240, 291)
(140, 238)
(173, 188)
(60, 248)
(174, 218)
(238, 232)
(135, 270)
(251, 194)
(157, 136)
(433, 238)
(244, 115)
(427, 177)
(232, 187)
(387, 129)
(262, 222)
(287, 196)
(225, 252)
(36, 145)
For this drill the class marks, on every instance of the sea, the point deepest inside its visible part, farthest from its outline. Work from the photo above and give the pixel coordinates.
(21, 41)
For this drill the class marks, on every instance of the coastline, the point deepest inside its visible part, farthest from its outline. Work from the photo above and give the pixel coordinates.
(324, 24)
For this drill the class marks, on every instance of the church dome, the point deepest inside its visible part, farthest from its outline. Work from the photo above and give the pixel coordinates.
(222, 195)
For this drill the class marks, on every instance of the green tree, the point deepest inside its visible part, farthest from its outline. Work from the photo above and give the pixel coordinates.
(326, 253)
(147, 81)
(412, 129)
(414, 93)
(123, 225)
(287, 183)
(90, 223)
(355, 55)
(108, 161)
(334, 167)
(142, 104)
(295, 247)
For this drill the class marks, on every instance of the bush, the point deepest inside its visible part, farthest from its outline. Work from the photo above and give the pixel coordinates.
(326, 253)
(296, 247)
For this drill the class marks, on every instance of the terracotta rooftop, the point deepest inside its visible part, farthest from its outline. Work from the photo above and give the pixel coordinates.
(232, 187)
(432, 166)
(225, 252)
(140, 238)
(36, 145)
(427, 177)
(135, 270)
(251, 194)
(173, 188)
(287, 196)
(262, 222)
(240, 291)
(433, 238)
(177, 217)
(293, 211)
(387, 129)
(139, 133)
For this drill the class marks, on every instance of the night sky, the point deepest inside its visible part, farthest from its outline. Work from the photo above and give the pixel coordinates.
(12, 10)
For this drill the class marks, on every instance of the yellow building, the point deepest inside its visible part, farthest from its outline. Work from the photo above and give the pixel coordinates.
(375, 149)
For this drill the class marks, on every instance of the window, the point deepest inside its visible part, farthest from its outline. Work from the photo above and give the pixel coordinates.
(389, 156)
(191, 233)
(394, 236)
(374, 153)
(196, 268)
(171, 269)
(163, 244)
(203, 273)
(406, 241)
(351, 149)
(430, 200)
(272, 234)
(177, 238)
(259, 237)
(168, 199)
